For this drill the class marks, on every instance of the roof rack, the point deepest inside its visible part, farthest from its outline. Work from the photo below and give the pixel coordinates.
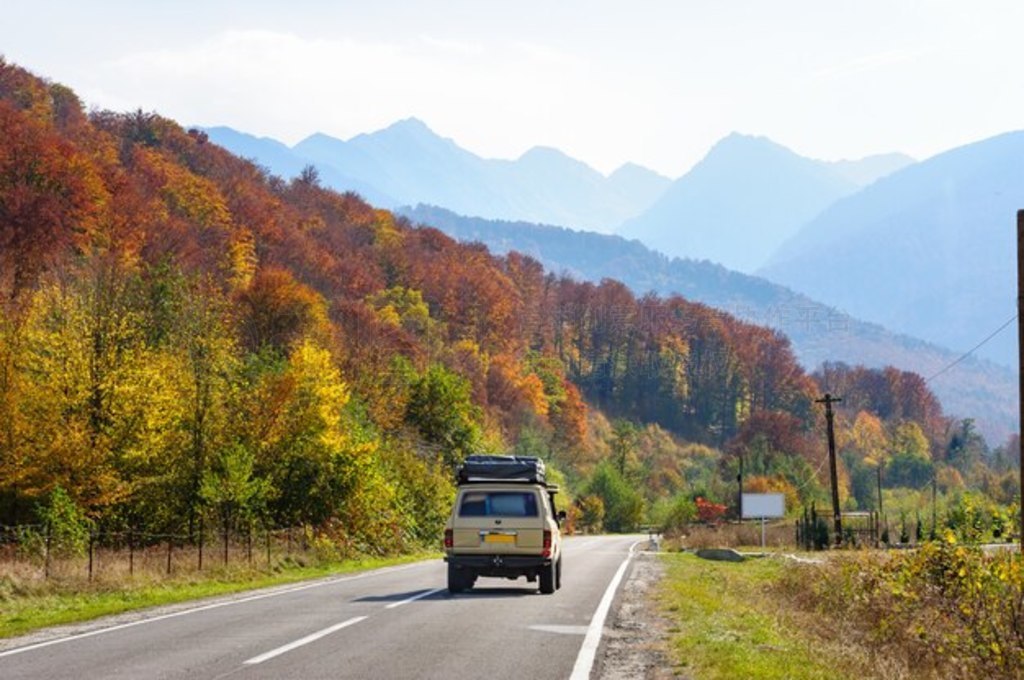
(485, 468)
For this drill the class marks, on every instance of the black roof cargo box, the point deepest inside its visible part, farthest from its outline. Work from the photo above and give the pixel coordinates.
(480, 468)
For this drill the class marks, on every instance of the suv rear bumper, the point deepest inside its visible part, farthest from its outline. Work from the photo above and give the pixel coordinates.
(499, 565)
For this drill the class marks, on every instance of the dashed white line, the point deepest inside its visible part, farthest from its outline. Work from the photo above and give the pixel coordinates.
(588, 652)
(418, 596)
(312, 637)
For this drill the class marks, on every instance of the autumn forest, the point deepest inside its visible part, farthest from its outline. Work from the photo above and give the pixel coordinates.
(186, 338)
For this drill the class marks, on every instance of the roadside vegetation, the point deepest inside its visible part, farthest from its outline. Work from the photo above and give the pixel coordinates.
(727, 621)
(944, 610)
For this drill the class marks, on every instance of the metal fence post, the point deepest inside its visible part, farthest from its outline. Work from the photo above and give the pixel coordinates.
(46, 558)
(92, 546)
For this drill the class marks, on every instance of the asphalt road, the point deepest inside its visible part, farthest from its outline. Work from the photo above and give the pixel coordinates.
(397, 622)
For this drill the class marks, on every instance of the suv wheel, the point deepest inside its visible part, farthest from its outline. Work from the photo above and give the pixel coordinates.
(547, 579)
(458, 580)
(558, 574)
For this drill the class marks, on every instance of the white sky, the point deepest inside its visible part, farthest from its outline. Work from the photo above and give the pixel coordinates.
(656, 82)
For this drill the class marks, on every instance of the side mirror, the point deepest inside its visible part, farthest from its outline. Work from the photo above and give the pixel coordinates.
(561, 516)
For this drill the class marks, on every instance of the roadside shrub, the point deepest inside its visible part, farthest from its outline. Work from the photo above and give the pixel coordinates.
(708, 512)
(944, 610)
(65, 523)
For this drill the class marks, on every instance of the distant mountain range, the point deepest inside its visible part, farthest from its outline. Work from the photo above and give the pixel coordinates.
(747, 197)
(818, 332)
(929, 250)
(407, 163)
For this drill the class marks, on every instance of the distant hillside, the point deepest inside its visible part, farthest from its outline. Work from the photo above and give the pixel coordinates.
(928, 251)
(284, 162)
(407, 163)
(735, 207)
(818, 332)
(867, 170)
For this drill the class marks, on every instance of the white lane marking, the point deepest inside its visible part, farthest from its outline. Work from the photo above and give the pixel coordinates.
(585, 659)
(312, 637)
(420, 596)
(215, 605)
(561, 630)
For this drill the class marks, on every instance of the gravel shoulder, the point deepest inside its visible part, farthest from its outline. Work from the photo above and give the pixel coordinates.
(636, 637)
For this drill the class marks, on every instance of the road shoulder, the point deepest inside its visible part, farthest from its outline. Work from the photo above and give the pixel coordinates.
(635, 638)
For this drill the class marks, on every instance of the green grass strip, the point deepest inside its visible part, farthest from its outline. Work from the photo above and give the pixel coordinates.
(23, 612)
(725, 624)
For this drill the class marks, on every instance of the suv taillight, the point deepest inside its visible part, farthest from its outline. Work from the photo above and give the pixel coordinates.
(449, 539)
(547, 543)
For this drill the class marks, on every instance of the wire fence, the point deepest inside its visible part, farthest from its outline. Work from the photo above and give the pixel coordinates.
(35, 552)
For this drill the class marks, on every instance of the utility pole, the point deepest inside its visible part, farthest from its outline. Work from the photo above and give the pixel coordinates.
(1020, 367)
(837, 517)
(739, 491)
(879, 471)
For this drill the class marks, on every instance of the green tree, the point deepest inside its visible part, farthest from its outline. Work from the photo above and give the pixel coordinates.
(442, 410)
(230, 488)
(623, 504)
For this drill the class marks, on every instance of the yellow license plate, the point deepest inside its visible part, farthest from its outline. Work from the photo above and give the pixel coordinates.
(499, 538)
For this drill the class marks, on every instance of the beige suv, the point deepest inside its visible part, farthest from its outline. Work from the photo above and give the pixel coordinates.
(504, 524)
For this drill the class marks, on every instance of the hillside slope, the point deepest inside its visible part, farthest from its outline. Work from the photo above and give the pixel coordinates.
(819, 333)
(928, 251)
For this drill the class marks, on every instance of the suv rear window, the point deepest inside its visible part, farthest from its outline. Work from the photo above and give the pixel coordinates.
(498, 504)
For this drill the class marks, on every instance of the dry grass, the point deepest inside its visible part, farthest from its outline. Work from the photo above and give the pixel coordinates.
(778, 536)
(111, 567)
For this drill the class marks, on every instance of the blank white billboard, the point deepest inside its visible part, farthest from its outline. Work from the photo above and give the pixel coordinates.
(758, 505)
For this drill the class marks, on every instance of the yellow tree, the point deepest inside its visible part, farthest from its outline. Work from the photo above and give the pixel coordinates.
(870, 440)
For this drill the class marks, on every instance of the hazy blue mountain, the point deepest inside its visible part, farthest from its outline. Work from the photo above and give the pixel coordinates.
(818, 332)
(929, 250)
(270, 153)
(572, 193)
(871, 168)
(738, 204)
(407, 163)
(287, 163)
(643, 185)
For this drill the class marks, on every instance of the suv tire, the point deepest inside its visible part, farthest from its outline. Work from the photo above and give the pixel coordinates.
(558, 574)
(458, 580)
(548, 578)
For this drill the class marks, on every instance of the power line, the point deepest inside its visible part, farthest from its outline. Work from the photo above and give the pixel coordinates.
(973, 349)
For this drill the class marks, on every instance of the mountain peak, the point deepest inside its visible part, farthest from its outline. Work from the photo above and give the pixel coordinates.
(410, 125)
(631, 170)
(318, 138)
(543, 152)
(740, 143)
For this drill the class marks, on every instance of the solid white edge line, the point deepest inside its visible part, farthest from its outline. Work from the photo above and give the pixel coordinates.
(215, 605)
(419, 596)
(312, 637)
(588, 652)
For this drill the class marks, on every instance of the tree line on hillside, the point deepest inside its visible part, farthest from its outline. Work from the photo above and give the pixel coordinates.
(186, 339)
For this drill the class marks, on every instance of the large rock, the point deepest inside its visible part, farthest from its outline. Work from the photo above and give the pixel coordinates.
(720, 554)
